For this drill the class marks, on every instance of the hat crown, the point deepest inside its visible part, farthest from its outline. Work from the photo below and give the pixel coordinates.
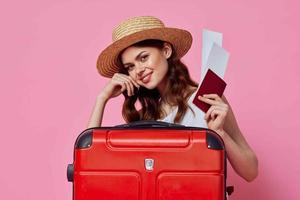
(134, 25)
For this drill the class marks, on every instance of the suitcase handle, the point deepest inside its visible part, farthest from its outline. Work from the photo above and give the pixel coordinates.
(149, 123)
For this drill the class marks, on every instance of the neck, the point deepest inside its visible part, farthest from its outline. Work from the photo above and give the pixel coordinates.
(162, 86)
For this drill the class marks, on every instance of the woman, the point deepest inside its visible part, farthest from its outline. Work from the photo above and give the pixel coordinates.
(144, 64)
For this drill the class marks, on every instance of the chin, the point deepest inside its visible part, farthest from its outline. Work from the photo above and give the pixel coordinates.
(150, 85)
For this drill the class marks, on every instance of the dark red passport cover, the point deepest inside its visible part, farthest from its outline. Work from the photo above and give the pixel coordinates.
(211, 84)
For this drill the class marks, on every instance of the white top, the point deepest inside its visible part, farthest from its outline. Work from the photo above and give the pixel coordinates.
(189, 119)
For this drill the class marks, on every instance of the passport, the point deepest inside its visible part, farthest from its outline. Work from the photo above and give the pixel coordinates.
(211, 84)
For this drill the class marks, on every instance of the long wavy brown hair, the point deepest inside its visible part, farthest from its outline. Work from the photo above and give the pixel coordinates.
(176, 93)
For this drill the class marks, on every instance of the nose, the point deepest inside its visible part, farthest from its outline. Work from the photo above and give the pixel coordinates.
(140, 70)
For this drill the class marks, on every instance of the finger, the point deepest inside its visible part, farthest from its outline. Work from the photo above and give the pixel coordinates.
(220, 110)
(129, 78)
(134, 82)
(131, 81)
(213, 96)
(222, 106)
(218, 113)
(122, 84)
(117, 78)
(214, 114)
(126, 83)
(208, 101)
(211, 114)
(130, 87)
(208, 113)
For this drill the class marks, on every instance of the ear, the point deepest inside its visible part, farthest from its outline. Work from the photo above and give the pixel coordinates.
(167, 50)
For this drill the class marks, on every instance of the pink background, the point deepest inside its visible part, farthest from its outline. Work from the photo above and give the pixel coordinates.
(49, 84)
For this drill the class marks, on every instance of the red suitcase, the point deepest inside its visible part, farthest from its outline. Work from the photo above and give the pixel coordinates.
(148, 161)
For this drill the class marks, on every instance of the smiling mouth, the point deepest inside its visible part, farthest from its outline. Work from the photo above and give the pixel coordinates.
(146, 78)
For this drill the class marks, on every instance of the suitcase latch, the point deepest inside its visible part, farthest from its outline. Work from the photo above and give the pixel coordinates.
(149, 164)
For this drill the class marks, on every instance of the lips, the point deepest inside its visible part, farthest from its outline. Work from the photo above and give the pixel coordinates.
(146, 78)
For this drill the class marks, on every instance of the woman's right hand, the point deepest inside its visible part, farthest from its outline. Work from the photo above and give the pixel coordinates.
(118, 84)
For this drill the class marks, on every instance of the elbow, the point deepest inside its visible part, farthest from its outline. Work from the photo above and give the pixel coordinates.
(251, 177)
(253, 170)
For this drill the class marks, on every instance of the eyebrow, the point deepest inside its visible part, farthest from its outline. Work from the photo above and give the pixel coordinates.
(136, 58)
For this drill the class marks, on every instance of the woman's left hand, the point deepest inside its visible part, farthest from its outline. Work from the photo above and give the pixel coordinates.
(215, 116)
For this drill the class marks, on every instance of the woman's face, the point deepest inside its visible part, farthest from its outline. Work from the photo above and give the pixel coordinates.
(148, 66)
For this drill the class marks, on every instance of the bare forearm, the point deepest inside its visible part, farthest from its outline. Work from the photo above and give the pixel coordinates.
(242, 159)
(97, 113)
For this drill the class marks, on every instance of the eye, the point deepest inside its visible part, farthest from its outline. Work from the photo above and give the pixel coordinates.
(144, 58)
(129, 67)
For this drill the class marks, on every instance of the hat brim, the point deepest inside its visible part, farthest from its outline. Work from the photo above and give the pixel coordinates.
(107, 63)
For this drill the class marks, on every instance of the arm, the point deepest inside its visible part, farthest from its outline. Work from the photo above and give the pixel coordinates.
(117, 84)
(240, 154)
(221, 119)
(97, 113)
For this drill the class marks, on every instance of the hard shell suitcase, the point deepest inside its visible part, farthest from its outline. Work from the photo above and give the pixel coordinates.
(148, 160)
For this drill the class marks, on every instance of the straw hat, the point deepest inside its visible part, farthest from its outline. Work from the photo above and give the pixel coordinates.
(137, 29)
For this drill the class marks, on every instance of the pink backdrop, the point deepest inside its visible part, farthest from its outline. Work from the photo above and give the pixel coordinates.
(49, 83)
